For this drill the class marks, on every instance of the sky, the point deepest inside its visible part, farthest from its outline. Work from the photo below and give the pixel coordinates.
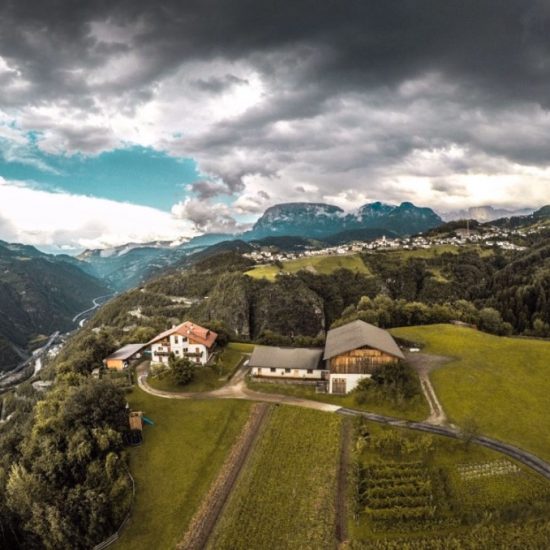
(131, 121)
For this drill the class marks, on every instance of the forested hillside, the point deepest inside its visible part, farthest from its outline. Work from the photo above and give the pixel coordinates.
(38, 295)
(499, 291)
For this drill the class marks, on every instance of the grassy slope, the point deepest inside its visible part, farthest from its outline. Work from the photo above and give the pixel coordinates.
(286, 497)
(321, 264)
(176, 464)
(416, 409)
(501, 383)
(207, 378)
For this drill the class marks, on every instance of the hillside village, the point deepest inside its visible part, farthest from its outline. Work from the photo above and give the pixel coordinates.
(488, 238)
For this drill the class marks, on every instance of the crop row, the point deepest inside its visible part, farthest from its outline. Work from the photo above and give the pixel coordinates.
(399, 502)
(410, 489)
(286, 496)
(487, 469)
(401, 513)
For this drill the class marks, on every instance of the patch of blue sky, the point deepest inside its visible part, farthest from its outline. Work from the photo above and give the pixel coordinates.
(135, 174)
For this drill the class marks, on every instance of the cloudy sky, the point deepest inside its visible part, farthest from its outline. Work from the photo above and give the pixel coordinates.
(136, 120)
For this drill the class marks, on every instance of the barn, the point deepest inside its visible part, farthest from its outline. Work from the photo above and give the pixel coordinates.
(122, 357)
(291, 363)
(354, 350)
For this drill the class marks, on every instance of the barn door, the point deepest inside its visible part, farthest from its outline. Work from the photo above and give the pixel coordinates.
(339, 385)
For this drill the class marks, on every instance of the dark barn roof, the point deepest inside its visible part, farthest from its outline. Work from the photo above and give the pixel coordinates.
(125, 352)
(288, 358)
(358, 334)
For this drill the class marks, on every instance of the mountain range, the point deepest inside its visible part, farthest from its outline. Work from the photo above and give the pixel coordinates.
(130, 264)
(321, 220)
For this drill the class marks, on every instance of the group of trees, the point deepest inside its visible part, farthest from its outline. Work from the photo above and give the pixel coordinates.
(387, 313)
(64, 482)
(63, 476)
(396, 382)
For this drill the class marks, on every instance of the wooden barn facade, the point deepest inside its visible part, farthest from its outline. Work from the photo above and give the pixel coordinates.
(353, 351)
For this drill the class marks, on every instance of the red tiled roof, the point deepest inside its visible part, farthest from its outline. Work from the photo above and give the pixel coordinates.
(198, 334)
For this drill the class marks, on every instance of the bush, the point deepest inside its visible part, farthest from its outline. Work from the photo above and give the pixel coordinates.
(396, 379)
(182, 370)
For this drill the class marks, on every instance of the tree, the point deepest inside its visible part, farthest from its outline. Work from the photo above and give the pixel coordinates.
(182, 370)
(490, 320)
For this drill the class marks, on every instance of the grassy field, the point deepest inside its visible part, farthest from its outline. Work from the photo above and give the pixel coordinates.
(421, 486)
(317, 264)
(209, 377)
(176, 464)
(414, 409)
(501, 384)
(286, 497)
(433, 251)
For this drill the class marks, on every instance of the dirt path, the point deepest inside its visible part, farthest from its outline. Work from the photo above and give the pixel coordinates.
(204, 521)
(235, 389)
(341, 490)
(424, 364)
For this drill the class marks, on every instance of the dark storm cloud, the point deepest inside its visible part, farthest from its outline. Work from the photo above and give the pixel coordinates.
(500, 47)
(363, 84)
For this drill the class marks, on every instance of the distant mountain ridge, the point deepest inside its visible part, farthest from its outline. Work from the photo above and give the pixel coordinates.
(485, 213)
(321, 220)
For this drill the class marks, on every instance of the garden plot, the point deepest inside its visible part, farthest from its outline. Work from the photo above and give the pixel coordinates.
(480, 470)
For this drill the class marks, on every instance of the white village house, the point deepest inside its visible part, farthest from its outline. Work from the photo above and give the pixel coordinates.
(187, 340)
(291, 363)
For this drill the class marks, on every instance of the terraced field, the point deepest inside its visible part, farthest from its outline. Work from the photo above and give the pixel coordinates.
(425, 488)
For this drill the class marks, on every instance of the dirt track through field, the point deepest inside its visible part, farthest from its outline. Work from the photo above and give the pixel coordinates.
(424, 364)
(204, 521)
(341, 490)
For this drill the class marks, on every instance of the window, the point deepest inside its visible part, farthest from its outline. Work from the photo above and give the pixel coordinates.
(273, 369)
(287, 370)
(175, 339)
(310, 371)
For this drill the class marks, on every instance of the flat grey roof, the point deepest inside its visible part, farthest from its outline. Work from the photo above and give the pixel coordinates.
(358, 334)
(126, 351)
(289, 358)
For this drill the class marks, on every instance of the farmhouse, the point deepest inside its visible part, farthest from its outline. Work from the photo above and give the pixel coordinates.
(292, 363)
(123, 357)
(186, 340)
(352, 352)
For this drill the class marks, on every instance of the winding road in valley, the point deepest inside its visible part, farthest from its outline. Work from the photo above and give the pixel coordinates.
(97, 302)
(236, 389)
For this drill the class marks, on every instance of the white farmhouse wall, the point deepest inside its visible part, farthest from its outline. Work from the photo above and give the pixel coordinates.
(315, 374)
(351, 380)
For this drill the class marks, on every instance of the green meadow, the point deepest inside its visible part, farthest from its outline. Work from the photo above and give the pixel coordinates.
(316, 264)
(499, 384)
(174, 467)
